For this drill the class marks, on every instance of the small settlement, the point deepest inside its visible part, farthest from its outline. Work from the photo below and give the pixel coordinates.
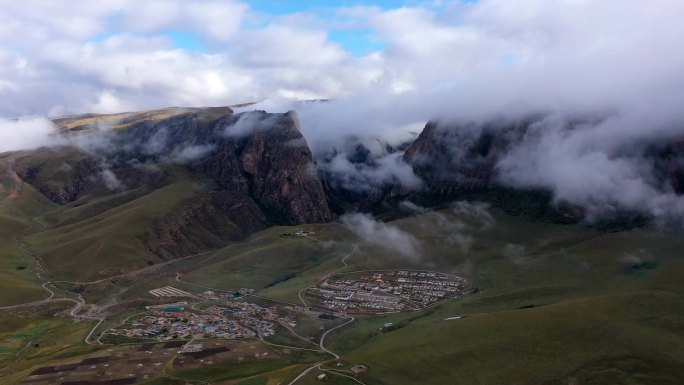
(385, 291)
(232, 321)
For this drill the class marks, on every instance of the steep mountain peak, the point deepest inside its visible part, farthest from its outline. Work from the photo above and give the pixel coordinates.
(252, 169)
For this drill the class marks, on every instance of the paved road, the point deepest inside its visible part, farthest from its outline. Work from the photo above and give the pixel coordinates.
(80, 303)
(322, 346)
(304, 373)
(337, 357)
(300, 294)
(337, 373)
(114, 327)
(99, 322)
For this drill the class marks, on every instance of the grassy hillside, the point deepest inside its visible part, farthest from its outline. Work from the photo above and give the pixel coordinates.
(556, 304)
(107, 243)
(267, 260)
(638, 334)
(18, 280)
(567, 307)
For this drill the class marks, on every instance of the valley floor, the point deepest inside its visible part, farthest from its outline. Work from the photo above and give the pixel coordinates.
(546, 304)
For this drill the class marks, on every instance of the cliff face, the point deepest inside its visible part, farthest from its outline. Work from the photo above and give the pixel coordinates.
(272, 164)
(208, 221)
(257, 167)
(280, 165)
(59, 175)
(669, 162)
(268, 161)
(258, 170)
(461, 158)
(458, 161)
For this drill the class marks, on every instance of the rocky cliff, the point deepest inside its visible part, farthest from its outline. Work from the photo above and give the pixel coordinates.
(257, 167)
(453, 158)
(257, 170)
(207, 221)
(459, 161)
(274, 165)
(268, 161)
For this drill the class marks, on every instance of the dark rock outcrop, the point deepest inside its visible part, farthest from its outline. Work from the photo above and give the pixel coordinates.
(59, 175)
(461, 158)
(209, 221)
(458, 161)
(269, 161)
(256, 166)
(280, 166)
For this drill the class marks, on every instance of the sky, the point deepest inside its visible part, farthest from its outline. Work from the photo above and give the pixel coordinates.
(387, 66)
(75, 56)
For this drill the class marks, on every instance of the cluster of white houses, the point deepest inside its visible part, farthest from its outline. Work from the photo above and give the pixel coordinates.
(392, 290)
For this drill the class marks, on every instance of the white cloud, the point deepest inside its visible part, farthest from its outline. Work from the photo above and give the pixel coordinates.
(384, 235)
(492, 53)
(218, 20)
(25, 134)
(108, 103)
(450, 61)
(111, 181)
(188, 153)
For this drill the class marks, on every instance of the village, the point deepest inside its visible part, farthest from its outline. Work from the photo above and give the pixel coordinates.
(385, 291)
(233, 321)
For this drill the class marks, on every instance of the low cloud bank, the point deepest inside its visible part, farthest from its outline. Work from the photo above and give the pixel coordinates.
(456, 225)
(25, 134)
(607, 86)
(628, 160)
(517, 254)
(384, 235)
(476, 212)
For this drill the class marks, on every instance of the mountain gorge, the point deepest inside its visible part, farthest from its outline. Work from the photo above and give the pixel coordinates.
(161, 184)
(208, 201)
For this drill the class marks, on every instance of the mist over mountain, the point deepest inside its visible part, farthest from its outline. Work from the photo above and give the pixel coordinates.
(577, 99)
(562, 168)
(345, 191)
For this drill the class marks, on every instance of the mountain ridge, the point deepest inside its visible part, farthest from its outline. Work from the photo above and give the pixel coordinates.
(252, 170)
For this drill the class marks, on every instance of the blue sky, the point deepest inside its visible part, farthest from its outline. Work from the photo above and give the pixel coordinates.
(358, 42)
(279, 7)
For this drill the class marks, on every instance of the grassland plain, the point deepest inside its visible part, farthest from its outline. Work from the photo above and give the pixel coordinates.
(43, 338)
(275, 377)
(267, 260)
(555, 304)
(311, 378)
(560, 309)
(228, 371)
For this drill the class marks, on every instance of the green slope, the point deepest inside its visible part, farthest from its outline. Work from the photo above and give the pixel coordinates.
(108, 243)
(18, 280)
(593, 320)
